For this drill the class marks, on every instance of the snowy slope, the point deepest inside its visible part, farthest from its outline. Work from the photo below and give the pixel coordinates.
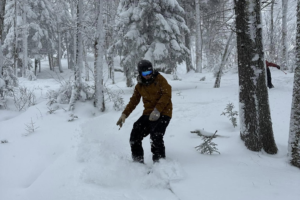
(89, 158)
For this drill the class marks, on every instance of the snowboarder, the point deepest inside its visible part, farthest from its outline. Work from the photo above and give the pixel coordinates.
(269, 78)
(156, 94)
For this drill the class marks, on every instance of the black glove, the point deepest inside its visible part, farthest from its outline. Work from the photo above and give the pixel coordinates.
(278, 67)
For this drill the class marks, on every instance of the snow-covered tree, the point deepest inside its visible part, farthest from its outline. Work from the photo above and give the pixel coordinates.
(294, 133)
(33, 21)
(78, 88)
(255, 119)
(9, 77)
(99, 53)
(151, 30)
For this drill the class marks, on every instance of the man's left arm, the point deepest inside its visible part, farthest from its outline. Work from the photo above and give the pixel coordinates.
(166, 94)
(269, 64)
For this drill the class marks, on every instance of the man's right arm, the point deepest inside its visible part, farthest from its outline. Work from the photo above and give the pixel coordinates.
(134, 101)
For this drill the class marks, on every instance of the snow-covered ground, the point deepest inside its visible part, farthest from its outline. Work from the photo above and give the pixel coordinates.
(89, 158)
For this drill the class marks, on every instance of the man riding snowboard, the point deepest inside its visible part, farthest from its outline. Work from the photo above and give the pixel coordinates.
(156, 94)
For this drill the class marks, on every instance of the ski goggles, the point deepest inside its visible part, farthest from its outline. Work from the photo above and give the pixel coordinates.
(145, 73)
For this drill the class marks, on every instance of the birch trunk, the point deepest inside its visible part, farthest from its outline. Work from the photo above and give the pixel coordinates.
(284, 62)
(74, 16)
(198, 38)
(86, 65)
(187, 39)
(16, 38)
(272, 45)
(99, 94)
(59, 50)
(294, 133)
(111, 67)
(68, 50)
(77, 87)
(224, 61)
(25, 42)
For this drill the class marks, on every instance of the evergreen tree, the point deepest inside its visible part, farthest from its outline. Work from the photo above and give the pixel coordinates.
(151, 30)
(256, 126)
(10, 42)
(294, 134)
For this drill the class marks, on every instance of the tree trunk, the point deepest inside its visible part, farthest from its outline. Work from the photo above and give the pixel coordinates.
(99, 89)
(74, 49)
(16, 39)
(111, 68)
(68, 50)
(78, 87)
(284, 62)
(255, 119)
(128, 74)
(59, 50)
(86, 65)
(187, 39)
(294, 133)
(39, 65)
(224, 61)
(25, 42)
(1, 59)
(36, 62)
(272, 45)
(50, 59)
(2, 11)
(198, 38)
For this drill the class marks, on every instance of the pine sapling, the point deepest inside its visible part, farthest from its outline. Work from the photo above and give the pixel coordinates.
(231, 114)
(51, 110)
(208, 146)
(72, 117)
(30, 127)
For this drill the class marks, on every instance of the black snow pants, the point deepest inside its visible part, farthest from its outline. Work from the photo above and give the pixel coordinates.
(269, 78)
(142, 128)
